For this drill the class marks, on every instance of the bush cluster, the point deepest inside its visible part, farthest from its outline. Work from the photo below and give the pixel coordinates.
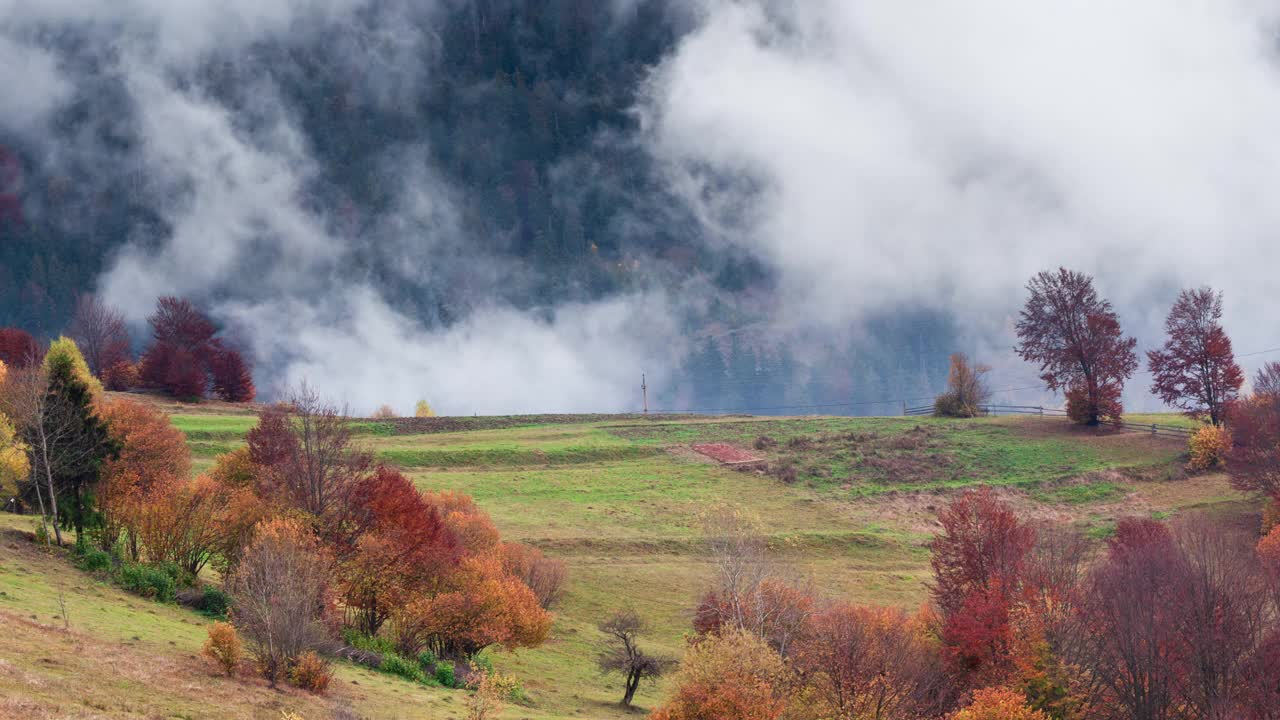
(311, 673)
(147, 581)
(223, 647)
(1209, 447)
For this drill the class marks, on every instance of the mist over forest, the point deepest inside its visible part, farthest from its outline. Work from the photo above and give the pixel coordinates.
(781, 206)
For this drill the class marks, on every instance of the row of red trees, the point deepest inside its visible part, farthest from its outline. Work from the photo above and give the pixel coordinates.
(185, 359)
(1163, 622)
(1074, 335)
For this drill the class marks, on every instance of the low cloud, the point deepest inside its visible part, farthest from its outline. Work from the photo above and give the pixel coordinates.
(940, 156)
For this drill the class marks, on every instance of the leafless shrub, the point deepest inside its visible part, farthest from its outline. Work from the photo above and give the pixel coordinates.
(280, 588)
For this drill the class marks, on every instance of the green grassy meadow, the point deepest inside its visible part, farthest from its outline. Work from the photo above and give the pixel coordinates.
(619, 500)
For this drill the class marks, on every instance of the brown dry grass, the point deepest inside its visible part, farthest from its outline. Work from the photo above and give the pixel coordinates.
(47, 672)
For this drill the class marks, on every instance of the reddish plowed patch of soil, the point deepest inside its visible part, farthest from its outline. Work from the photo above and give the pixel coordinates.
(725, 453)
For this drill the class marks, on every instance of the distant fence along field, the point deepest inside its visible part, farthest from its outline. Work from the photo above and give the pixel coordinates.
(1149, 428)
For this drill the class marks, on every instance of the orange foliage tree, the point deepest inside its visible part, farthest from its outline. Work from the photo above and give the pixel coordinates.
(153, 453)
(407, 550)
(481, 605)
(734, 676)
(997, 703)
(189, 523)
(468, 522)
(865, 662)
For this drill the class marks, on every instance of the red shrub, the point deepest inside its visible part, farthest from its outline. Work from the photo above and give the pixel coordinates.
(17, 348)
(982, 547)
(121, 375)
(978, 637)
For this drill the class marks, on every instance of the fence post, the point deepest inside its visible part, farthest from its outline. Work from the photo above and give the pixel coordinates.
(1041, 411)
(1153, 428)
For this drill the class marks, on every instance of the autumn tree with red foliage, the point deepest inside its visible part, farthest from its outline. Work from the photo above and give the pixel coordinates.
(152, 453)
(186, 360)
(231, 376)
(1173, 622)
(978, 563)
(100, 333)
(406, 551)
(1075, 338)
(177, 322)
(182, 337)
(307, 461)
(18, 349)
(1196, 369)
(983, 547)
(1254, 460)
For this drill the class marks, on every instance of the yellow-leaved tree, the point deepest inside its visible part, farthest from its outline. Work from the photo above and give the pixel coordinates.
(65, 347)
(13, 454)
(14, 465)
(423, 409)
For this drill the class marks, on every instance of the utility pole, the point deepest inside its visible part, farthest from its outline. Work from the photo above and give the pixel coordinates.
(644, 390)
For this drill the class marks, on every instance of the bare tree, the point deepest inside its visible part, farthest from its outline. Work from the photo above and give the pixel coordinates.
(100, 333)
(306, 445)
(623, 655)
(1267, 380)
(1223, 614)
(751, 593)
(280, 591)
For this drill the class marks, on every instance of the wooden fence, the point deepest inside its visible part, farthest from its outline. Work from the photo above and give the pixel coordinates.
(1040, 410)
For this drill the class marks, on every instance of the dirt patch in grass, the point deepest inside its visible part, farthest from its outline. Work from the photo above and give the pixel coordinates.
(915, 457)
(726, 453)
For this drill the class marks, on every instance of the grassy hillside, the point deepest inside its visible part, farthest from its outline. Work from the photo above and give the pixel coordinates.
(618, 498)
